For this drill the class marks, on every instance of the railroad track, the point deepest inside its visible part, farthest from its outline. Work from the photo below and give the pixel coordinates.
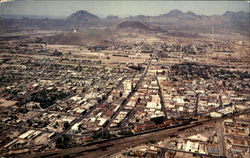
(107, 147)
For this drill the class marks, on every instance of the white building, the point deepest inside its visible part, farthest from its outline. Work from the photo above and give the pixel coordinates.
(127, 86)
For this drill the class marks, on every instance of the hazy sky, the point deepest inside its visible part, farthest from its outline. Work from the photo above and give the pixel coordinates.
(120, 8)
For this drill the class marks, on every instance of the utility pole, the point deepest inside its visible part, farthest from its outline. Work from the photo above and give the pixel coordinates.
(212, 34)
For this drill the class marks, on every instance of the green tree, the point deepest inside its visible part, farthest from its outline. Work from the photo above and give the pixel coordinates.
(63, 142)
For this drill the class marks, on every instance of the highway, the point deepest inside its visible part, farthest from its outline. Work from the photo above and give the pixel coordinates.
(163, 107)
(221, 145)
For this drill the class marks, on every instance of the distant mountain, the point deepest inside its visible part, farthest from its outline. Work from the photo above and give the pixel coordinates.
(238, 21)
(82, 15)
(137, 25)
(178, 14)
(141, 18)
(191, 13)
(112, 17)
(171, 16)
(173, 13)
(240, 14)
(175, 21)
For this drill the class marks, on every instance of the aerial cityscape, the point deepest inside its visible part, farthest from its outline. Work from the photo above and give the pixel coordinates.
(171, 83)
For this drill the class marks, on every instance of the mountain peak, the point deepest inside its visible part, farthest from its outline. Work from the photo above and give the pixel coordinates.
(173, 13)
(228, 13)
(191, 13)
(131, 24)
(82, 15)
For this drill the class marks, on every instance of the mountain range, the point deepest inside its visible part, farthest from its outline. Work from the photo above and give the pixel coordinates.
(174, 20)
(137, 25)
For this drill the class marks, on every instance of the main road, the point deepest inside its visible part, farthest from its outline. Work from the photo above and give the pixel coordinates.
(130, 95)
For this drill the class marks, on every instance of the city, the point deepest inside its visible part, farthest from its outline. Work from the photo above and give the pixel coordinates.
(148, 95)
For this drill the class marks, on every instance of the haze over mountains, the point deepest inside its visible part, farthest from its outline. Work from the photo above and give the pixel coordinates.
(175, 20)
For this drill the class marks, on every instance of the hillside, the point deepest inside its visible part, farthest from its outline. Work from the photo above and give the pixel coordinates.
(83, 38)
(137, 26)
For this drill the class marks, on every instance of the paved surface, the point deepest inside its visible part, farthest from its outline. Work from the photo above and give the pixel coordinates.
(129, 96)
(221, 144)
